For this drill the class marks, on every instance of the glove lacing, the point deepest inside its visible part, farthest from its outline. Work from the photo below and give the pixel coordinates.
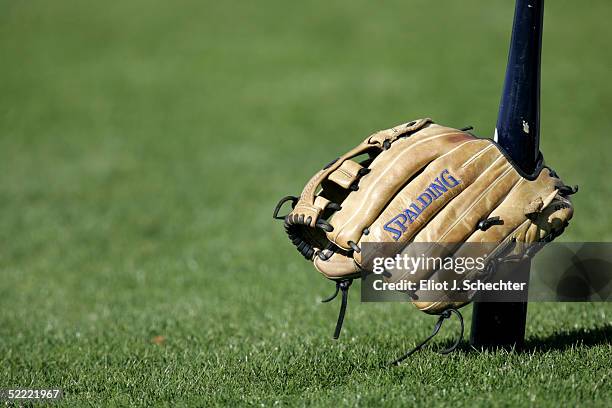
(343, 286)
(444, 315)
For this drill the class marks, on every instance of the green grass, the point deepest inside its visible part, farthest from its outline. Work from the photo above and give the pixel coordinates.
(144, 144)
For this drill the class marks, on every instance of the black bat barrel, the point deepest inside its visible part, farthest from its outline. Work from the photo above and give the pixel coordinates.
(518, 121)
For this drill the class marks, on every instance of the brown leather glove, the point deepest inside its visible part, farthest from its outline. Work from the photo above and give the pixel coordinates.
(422, 182)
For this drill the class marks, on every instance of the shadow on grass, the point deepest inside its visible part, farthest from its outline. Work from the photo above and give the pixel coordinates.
(568, 339)
(557, 341)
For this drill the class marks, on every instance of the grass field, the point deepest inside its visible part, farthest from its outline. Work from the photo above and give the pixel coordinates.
(144, 144)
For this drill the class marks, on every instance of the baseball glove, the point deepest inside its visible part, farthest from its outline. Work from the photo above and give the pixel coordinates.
(422, 182)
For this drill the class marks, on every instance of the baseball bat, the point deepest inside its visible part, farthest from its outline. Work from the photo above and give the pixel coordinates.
(518, 133)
